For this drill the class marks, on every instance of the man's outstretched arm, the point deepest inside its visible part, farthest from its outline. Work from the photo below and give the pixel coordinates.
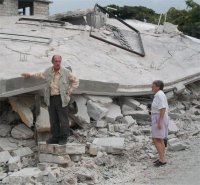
(36, 75)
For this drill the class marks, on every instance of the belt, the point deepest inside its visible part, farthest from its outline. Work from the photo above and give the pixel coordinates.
(54, 96)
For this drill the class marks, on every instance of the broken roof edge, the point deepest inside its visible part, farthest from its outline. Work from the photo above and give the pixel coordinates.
(97, 88)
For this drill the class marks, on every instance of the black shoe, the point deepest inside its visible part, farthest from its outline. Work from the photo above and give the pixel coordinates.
(52, 141)
(63, 141)
(159, 163)
(156, 161)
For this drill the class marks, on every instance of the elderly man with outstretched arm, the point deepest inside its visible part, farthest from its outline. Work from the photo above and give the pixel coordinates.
(60, 85)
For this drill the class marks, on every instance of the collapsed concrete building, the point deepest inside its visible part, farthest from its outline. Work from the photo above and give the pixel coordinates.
(116, 66)
(12, 7)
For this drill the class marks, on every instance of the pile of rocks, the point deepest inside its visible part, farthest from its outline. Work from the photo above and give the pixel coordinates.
(107, 133)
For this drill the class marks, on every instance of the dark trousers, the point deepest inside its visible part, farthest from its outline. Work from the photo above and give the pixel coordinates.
(58, 118)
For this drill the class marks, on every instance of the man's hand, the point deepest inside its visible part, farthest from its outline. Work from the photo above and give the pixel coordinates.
(26, 75)
(70, 91)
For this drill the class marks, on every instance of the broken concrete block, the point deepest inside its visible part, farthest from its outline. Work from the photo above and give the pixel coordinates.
(101, 124)
(113, 113)
(109, 145)
(139, 115)
(14, 164)
(176, 145)
(126, 108)
(42, 122)
(3, 175)
(81, 118)
(69, 148)
(129, 120)
(22, 152)
(87, 175)
(121, 127)
(131, 102)
(69, 179)
(4, 156)
(22, 132)
(5, 130)
(51, 158)
(96, 110)
(6, 144)
(75, 157)
(99, 99)
(111, 127)
(103, 131)
(23, 110)
(24, 176)
(173, 129)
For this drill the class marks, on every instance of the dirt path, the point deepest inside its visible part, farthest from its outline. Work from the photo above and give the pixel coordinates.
(183, 168)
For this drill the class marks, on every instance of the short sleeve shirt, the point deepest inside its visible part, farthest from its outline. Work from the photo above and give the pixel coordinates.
(159, 102)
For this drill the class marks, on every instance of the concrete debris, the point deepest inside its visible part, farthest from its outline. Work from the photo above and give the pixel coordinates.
(113, 113)
(69, 148)
(100, 99)
(22, 152)
(96, 110)
(3, 175)
(6, 144)
(81, 118)
(176, 145)
(42, 122)
(109, 145)
(14, 164)
(50, 158)
(4, 156)
(23, 109)
(129, 120)
(120, 127)
(22, 132)
(101, 124)
(5, 130)
(87, 175)
(173, 129)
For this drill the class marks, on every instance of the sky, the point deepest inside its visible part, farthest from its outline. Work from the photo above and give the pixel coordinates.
(160, 6)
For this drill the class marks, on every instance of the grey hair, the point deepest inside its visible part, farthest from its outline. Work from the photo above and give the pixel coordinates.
(159, 84)
(52, 60)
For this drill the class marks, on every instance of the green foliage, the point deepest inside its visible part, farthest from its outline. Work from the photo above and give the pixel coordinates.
(188, 20)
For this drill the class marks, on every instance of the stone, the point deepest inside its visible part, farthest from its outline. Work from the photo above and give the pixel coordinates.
(173, 129)
(51, 158)
(69, 148)
(100, 99)
(176, 145)
(4, 156)
(14, 164)
(42, 121)
(6, 144)
(85, 174)
(75, 157)
(101, 124)
(24, 176)
(129, 120)
(96, 110)
(3, 175)
(81, 118)
(139, 115)
(113, 113)
(120, 127)
(131, 102)
(103, 131)
(69, 179)
(22, 132)
(23, 109)
(126, 108)
(109, 145)
(5, 130)
(111, 127)
(22, 152)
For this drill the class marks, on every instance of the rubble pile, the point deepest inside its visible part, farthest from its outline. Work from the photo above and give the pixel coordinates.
(109, 135)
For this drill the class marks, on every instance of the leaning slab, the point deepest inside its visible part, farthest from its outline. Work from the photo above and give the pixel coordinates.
(111, 145)
(42, 122)
(69, 148)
